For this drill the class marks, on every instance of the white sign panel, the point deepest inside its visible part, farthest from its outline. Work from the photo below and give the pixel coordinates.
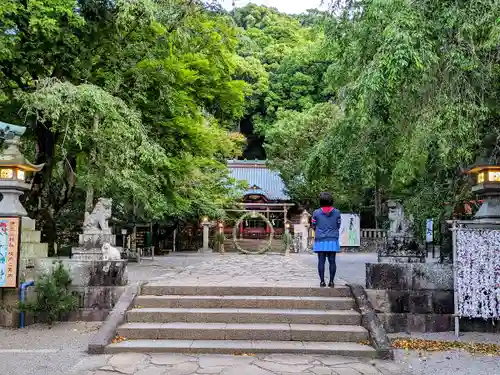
(429, 231)
(350, 232)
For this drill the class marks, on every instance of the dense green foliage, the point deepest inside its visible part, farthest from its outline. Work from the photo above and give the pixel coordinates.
(414, 89)
(133, 100)
(144, 101)
(283, 63)
(53, 297)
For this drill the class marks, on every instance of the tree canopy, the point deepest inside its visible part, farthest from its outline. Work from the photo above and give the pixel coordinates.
(145, 100)
(417, 86)
(133, 100)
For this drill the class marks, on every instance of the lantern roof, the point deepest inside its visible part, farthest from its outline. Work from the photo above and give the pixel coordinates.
(11, 156)
(481, 166)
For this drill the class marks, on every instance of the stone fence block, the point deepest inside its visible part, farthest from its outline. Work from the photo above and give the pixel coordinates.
(405, 276)
(91, 273)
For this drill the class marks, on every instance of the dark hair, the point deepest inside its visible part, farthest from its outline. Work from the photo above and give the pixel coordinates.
(325, 199)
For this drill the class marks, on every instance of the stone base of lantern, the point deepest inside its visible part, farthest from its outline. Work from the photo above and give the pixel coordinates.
(489, 210)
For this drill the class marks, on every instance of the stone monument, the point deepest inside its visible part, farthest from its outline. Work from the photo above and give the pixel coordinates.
(95, 244)
(98, 275)
(206, 232)
(301, 230)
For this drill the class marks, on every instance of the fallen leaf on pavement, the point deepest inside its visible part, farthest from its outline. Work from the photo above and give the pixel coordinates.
(438, 346)
(118, 339)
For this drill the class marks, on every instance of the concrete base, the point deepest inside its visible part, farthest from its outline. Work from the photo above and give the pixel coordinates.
(205, 250)
(409, 276)
(412, 297)
(422, 323)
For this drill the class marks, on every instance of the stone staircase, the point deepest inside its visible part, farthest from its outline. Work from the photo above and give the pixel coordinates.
(32, 250)
(239, 320)
(254, 245)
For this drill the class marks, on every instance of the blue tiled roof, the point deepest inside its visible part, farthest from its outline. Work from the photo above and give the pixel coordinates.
(263, 180)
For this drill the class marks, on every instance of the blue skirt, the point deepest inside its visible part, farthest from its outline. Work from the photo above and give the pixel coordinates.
(333, 246)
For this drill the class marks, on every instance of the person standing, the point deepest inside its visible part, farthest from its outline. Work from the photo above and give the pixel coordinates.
(326, 224)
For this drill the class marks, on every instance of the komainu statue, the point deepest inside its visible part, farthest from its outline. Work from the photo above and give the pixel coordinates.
(97, 221)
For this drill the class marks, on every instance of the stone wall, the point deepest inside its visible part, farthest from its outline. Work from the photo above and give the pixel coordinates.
(94, 304)
(416, 297)
(97, 290)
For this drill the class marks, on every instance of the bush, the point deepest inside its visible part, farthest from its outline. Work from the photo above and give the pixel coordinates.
(287, 241)
(219, 241)
(53, 296)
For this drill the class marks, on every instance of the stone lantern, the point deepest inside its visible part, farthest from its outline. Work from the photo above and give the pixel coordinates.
(206, 224)
(13, 172)
(487, 186)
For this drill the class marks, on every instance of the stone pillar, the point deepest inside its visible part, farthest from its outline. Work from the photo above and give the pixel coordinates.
(205, 248)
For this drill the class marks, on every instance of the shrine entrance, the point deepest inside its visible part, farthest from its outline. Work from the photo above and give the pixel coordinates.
(258, 228)
(255, 242)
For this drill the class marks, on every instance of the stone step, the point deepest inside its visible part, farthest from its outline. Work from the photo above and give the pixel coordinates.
(31, 236)
(159, 289)
(256, 302)
(254, 245)
(242, 347)
(34, 250)
(226, 331)
(27, 223)
(297, 316)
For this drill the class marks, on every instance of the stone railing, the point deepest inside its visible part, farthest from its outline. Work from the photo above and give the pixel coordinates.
(372, 240)
(373, 233)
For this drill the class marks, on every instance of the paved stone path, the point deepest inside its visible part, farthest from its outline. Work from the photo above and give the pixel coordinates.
(276, 364)
(248, 268)
(238, 269)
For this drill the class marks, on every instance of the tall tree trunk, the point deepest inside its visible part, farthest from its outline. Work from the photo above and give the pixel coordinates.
(89, 199)
(40, 201)
(378, 201)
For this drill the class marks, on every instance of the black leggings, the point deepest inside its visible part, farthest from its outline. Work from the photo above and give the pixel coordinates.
(322, 256)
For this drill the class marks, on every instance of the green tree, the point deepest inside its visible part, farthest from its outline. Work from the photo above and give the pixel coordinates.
(288, 144)
(276, 63)
(131, 99)
(417, 82)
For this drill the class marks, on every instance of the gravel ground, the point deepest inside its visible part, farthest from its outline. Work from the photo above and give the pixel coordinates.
(38, 350)
(450, 362)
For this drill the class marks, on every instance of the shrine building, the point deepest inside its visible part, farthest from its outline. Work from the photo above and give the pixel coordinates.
(266, 194)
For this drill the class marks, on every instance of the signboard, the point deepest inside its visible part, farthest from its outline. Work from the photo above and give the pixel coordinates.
(9, 251)
(350, 232)
(429, 231)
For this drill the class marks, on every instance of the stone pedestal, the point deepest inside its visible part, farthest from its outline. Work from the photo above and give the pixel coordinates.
(91, 273)
(90, 244)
